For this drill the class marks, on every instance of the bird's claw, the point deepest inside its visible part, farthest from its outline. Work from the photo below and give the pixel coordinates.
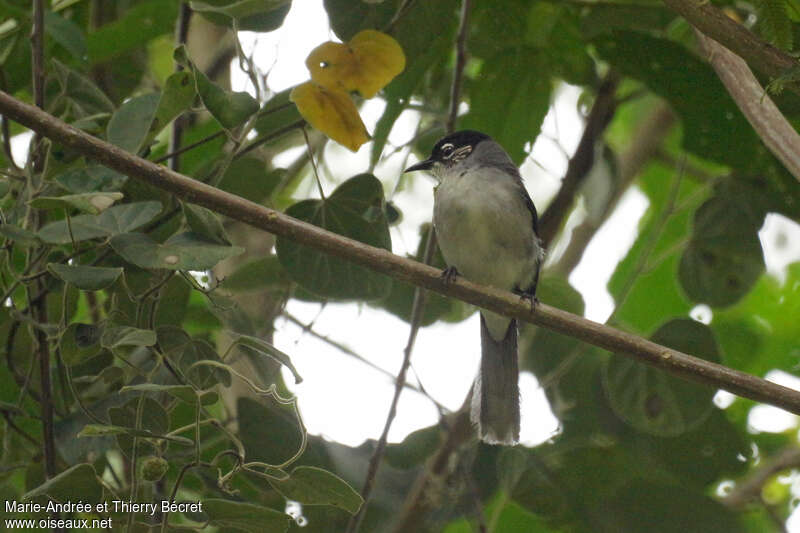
(531, 298)
(450, 274)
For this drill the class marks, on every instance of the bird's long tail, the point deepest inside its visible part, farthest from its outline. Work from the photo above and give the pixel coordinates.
(495, 395)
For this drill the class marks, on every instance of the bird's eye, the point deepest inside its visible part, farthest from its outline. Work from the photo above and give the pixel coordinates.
(447, 149)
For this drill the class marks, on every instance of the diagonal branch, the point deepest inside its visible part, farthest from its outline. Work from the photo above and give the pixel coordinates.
(400, 268)
(759, 109)
(759, 54)
(581, 162)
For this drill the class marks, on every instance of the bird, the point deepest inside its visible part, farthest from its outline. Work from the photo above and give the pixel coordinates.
(487, 229)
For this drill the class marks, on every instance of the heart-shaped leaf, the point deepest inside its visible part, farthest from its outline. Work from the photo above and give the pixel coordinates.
(332, 112)
(314, 486)
(87, 278)
(185, 251)
(353, 210)
(650, 399)
(114, 220)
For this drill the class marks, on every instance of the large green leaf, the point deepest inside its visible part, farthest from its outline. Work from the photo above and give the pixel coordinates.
(112, 221)
(139, 24)
(315, 486)
(90, 202)
(228, 107)
(66, 33)
(87, 99)
(712, 122)
(91, 178)
(245, 516)
(510, 99)
(355, 210)
(650, 399)
(185, 251)
(177, 96)
(641, 504)
(245, 15)
(270, 433)
(724, 258)
(77, 482)
(759, 333)
(87, 278)
(130, 124)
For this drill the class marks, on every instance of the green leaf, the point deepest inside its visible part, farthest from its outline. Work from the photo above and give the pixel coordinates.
(112, 221)
(98, 430)
(258, 274)
(178, 95)
(228, 107)
(92, 202)
(80, 479)
(675, 509)
(245, 15)
(92, 178)
(80, 342)
(759, 333)
(116, 336)
(270, 432)
(245, 516)
(138, 25)
(184, 393)
(724, 258)
(205, 223)
(130, 124)
(650, 399)
(264, 348)
(185, 251)
(20, 236)
(355, 210)
(66, 33)
(712, 122)
(511, 98)
(88, 98)
(87, 278)
(775, 24)
(314, 486)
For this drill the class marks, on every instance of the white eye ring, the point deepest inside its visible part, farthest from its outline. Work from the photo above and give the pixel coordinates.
(447, 149)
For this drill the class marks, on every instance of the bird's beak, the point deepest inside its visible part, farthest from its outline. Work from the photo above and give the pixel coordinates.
(422, 165)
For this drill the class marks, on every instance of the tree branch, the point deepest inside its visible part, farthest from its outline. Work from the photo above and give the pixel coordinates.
(400, 268)
(581, 163)
(756, 105)
(750, 489)
(713, 22)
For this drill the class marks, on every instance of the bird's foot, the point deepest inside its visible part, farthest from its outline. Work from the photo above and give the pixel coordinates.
(530, 297)
(450, 274)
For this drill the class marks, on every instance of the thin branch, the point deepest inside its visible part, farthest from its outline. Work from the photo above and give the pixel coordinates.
(270, 136)
(192, 146)
(308, 328)
(37, 62)
(461, 61)
(750, 489)
(417, 311)
(176, 135)
(734, 36)
(756, 105)
(581, 163)
(400, 268)
(420, 295)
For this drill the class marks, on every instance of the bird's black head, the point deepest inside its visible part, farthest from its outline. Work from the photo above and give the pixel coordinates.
(451, 149)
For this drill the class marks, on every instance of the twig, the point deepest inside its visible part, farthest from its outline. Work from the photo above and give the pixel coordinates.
(713, 22)
(461, 61)
(37, 62)
(176, 136)
(308, 328)
(313, 163)
(420, 295)
(417, 310)
(761, 112)
(270, 136)
(188, 147)
(581, 163)
(400, 268)
(398, 15)
(750, 489)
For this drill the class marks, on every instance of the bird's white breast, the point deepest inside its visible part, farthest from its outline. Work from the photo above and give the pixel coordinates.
(485, 229)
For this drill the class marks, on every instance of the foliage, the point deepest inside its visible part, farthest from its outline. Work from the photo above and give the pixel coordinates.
(155, 316)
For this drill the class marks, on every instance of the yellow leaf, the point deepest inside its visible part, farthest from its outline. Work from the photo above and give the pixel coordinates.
(332, 112)
(367, 63)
